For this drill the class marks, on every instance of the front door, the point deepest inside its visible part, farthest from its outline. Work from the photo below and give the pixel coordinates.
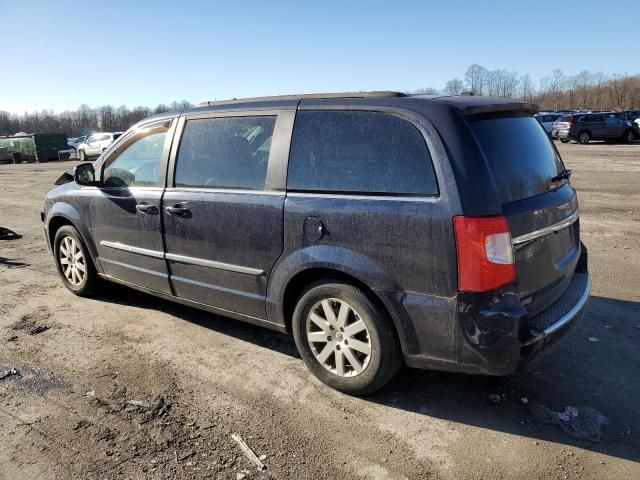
(223, 218)
(125, 215)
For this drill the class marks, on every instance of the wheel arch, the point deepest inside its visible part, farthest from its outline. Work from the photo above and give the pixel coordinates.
(65, 214)
(302, 279)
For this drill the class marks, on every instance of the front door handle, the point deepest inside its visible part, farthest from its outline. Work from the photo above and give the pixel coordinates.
(145, 207)
(179, 210)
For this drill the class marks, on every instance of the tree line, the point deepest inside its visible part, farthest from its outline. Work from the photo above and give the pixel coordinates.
(83, 120)
(586, 90)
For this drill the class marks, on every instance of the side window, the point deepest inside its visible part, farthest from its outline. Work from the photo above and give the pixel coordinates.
(229, 152)
(359, 152)
(137, 161)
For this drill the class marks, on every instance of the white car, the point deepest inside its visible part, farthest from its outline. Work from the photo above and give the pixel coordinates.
(546, 119)
(96, 144)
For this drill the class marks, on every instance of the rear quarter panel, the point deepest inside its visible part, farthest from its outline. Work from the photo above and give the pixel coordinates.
(402, 248)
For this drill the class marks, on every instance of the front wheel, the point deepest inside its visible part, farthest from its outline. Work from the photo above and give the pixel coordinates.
(74, 262)
(344, 339)
(82, 156)
(584, 138)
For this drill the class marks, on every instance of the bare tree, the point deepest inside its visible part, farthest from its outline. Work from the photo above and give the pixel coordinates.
(475, 78)
(454, 87)
(426, 91)
(526, 88)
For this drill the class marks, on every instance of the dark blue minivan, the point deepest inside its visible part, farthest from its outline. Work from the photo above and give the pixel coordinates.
(378, 228)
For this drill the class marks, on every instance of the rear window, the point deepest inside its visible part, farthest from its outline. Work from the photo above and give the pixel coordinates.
(359, 152)
(520, 154)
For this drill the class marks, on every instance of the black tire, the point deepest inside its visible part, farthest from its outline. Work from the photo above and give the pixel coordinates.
(90, 280)
(584, 137)
(386, 356)
(628, 136)
(564, 140)
(82, 156)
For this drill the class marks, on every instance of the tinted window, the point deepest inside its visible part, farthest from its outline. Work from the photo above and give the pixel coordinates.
(138, 160)
(230, 152)
(368, 152)
(520, 154)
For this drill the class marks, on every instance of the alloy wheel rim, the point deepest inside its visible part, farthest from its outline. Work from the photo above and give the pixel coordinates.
(338, 337)
(72, 261)
(584, 137)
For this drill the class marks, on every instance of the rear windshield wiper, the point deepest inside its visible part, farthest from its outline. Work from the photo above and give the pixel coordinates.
(563, 175)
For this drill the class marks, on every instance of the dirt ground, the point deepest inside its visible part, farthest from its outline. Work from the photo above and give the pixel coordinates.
(128, 386)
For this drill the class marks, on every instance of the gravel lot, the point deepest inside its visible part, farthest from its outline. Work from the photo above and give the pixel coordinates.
(129, 386)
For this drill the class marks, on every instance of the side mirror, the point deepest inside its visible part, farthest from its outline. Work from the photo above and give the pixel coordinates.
(84, 174)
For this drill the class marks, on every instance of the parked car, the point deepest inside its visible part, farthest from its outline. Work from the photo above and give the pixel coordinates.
(372, 226)
(601, 126)
(629, 115)
(96, 144)
(546, 119)
(76, 142)
(560, 127)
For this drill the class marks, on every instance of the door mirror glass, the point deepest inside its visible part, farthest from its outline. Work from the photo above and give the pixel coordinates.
(84, 174)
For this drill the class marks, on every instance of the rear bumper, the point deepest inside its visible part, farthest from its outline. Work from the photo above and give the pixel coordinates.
(541, 342)
(560, 134)
(494, 335)
(516, 339)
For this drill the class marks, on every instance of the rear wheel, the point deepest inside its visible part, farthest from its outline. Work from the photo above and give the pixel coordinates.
(564, 140)
(584, 137)
(344, 339)
(628, 136)
(74, 262)
(82, 156)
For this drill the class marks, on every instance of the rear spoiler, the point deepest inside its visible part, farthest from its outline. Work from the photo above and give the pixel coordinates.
(470, 105)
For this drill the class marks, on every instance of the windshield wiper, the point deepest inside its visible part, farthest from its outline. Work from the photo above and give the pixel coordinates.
(563, 175)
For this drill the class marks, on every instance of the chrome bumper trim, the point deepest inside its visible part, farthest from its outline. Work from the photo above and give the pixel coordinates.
(567, 317)
(574, 311)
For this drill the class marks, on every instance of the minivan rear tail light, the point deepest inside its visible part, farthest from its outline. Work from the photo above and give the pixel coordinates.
(485, 253)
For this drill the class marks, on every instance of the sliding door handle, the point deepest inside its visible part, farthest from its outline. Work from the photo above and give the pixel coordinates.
(179, 211)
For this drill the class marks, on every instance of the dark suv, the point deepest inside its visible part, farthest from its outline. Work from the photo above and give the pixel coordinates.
(600, 126)
(376, 227)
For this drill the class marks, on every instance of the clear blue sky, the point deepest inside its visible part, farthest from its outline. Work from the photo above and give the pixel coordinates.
(58, 54)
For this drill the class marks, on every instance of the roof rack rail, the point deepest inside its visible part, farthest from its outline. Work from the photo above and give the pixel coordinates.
(305, 96)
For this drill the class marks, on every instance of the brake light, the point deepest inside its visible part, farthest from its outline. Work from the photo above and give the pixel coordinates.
(485, 253)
